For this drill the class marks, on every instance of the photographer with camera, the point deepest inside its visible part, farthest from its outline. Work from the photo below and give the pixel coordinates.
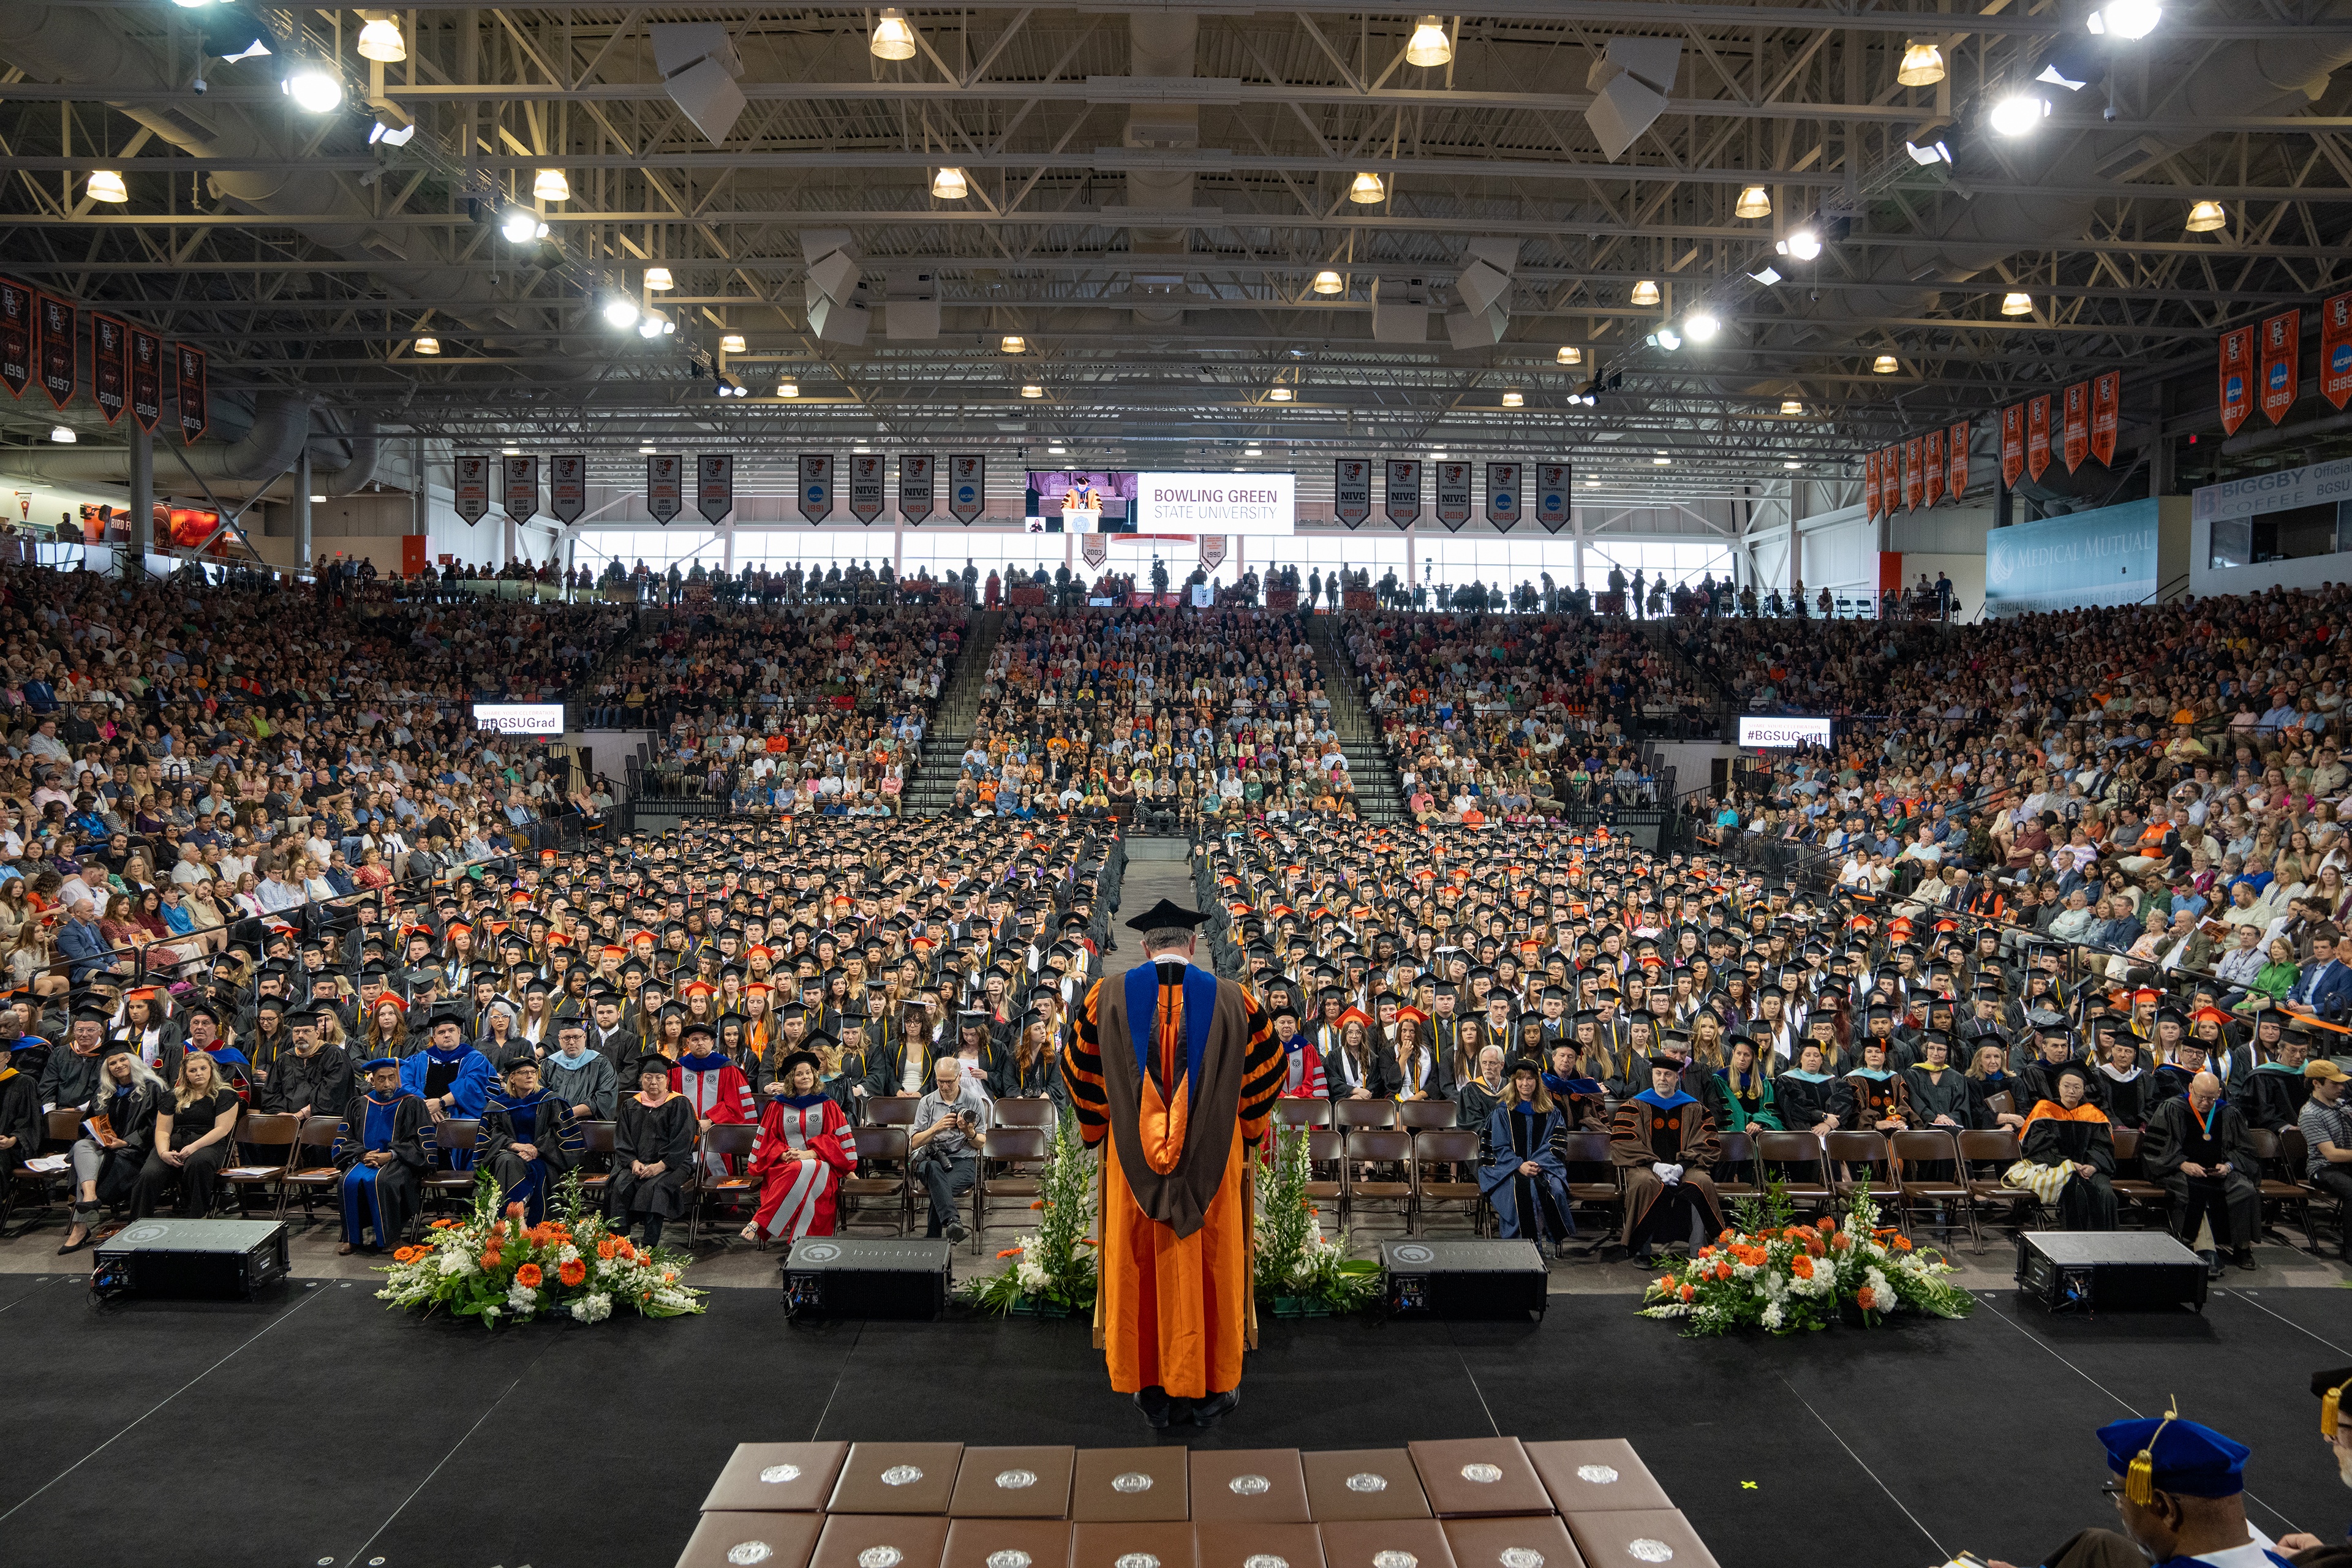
(949, 1123)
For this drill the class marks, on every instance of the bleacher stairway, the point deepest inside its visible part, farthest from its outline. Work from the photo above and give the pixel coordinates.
(1379, 798)
(932, 789)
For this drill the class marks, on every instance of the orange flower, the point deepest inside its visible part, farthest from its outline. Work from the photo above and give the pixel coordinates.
(1037, 1204)
(527, 1276)
(1726, 1236)
(1723, 1271)
(605, 1248)
(1688, 1293)
(489, 1259)
(1802, 1267)
(1830, 1223)
(1902, 1244)
(1841, 1241)
(514, 1211)
(572, 1272)
(1665, 1284)
(442, 1224)
(628, 1251)
(1866, 1299)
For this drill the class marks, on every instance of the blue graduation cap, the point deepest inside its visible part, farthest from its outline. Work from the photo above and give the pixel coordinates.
(2169, 1455)
(366, 1067)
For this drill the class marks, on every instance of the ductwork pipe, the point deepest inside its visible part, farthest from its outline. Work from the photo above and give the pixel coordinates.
(1161, 43)
(364, 447)
(281, 428)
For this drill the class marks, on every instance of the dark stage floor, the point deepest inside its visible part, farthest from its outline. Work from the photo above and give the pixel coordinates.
(318, 1428)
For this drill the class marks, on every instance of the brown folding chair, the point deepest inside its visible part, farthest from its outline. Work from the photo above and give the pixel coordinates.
(1606, 1191)
(892, 1110)
(310, 1168)
(1303, 1111)
(595, 1145)
(1735, 1166)
(1327, 1149)
(264, 1131)
(1986, 1154)
(457, 1135)
(1037, 1111)
(1351, 1114)
(1867, 1152)
(1922, 1147)
(878, 1148)
(1427, 1115)
(1433, 1154)
(2131, 1185)
(731, 1142)
(1381, 1146)
(59, 1131)
(1011, 1161)
(1795, 1151)
(2281, 1159)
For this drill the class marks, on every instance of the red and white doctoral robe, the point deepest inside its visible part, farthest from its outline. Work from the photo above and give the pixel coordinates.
(1303, 1068)
(719, 1093)
(796, 1196)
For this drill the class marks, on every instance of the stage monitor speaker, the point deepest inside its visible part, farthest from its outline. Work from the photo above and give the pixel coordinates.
(1464, 1279)
(859, 1276)
(2113, 1271)
(190, 1259)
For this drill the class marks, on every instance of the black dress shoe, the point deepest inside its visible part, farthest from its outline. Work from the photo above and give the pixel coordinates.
(2245, 1258)
(1153, 1403)
(1216, 1408)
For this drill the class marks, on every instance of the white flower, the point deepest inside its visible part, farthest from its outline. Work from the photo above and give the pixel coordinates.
(592, 1308)
(457, 1263)
(1774, 1316)
(567, 1254)
(1030, 1276)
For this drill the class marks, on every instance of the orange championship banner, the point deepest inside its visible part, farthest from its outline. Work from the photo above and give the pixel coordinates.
(1870, 484)
(1911, 476)
(1958, 480)
(2037, 435)
(2077, 417)
(2335, 350)
(2281, 344)
(2013, 444)
(1932, 478)
(2106, 399)
(2237, 378)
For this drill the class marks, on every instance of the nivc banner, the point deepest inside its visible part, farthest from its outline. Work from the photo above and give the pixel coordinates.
(1352, 490)
(866, 484)
(2090, 558)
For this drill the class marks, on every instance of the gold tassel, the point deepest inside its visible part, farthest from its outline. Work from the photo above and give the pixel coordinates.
(2330, 1403)
(2139, 1479)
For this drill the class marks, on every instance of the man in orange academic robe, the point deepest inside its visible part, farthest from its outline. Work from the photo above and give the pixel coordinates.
(1179, 1071)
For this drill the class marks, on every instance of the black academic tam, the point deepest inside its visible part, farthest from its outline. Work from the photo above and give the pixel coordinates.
(1167, 915)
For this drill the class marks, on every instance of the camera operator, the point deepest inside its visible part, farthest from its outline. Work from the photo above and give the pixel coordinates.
(949, 1123)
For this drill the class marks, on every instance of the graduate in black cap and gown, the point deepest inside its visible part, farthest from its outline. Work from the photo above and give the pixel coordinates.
(528, 1139)
(1522, 1177)
(1809, 1100)
(381, 1149)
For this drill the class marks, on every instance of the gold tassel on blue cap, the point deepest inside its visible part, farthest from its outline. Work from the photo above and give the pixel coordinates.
(2140, 1480)
(2330, 1403)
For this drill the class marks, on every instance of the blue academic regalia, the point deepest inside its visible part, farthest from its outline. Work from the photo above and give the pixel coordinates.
(1532, 1206)
(542, 1120)
(381, 1199)
(428, 1075)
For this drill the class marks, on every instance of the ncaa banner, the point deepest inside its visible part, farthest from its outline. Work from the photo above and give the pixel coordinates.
(915, 488)
(2077, 424)
(967, 486)
(1454, 495)
(1403, 501)
(520, 495)
(195, 405)
(146, 378)
(110, 365)
(1552, 500)
(1914, 481)
(714, 486)
(567, 485)
(2282, 342)
(1931, 477)
(2013, 444)
(59, 347)
(15, 335)
(1352, 490)
(2237, 378)
(1503, 495)
(2107, 397)
(866, 486)
(469, 478)
(665, 487)
(2037, 435)
(1957, 484)
(2335, 350)
(816, 486)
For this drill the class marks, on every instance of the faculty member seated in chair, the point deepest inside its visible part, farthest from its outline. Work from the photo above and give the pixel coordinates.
(191, 1139)
(1664, 1141)
(653, 1143)
(1523, 1177)
(381, 1149)
(802, 1153)
(528, 1139)
(2070, 1154)
(2197, 1147)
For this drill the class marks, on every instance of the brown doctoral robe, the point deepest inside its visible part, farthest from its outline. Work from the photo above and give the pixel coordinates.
(1174, 1310)
(1638, 1128)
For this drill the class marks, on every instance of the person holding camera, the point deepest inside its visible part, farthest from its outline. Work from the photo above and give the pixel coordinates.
(949, 1123)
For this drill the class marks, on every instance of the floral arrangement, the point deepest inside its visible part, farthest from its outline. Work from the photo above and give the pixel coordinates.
(1297, 1263)
(1053, 1267)
(491, 1265)
(1770, 1274)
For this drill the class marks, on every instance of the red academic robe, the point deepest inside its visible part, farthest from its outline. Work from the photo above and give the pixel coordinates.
(796, 1196)
(719, 1093)
(1304, 1076)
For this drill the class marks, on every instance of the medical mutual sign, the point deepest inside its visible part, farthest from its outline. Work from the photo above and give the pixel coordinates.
(2103, 557)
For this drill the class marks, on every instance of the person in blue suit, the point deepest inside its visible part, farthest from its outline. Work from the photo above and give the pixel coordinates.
(1521, 1172)
(2324, 987)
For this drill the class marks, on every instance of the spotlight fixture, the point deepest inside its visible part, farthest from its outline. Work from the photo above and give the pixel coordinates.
(1645, 292)
(1700, 326)
(1014, 343)
(1366, 189)
(2205, 217)
(519, 225)
(428, 347)
(728, 386)
(1923, 65)
(1662, 462)
(950, 186)
(1056, 450)
(1804, 245)
(510, 452)
(549, 185)
(1329, 282)
(1884, 365)
(1279, 394)
(2019, 113)
(1789, 405)
(1569, 355)
(646, 448)
(315, 90)
(1934, 153)
(63, 435)
(1515, 399)
(730, 343)
(106, 185)
(2127, 18)
(390, 136)
(1429, 46)
(1667, 339)
(1252, 452)
(2016, 304)
(788, 389)
(1793, 463)
(1754, 202)
(651, 324)
(380, 40)
(1031, 389)
(658, 278)
(619, 311)
(892, 40)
